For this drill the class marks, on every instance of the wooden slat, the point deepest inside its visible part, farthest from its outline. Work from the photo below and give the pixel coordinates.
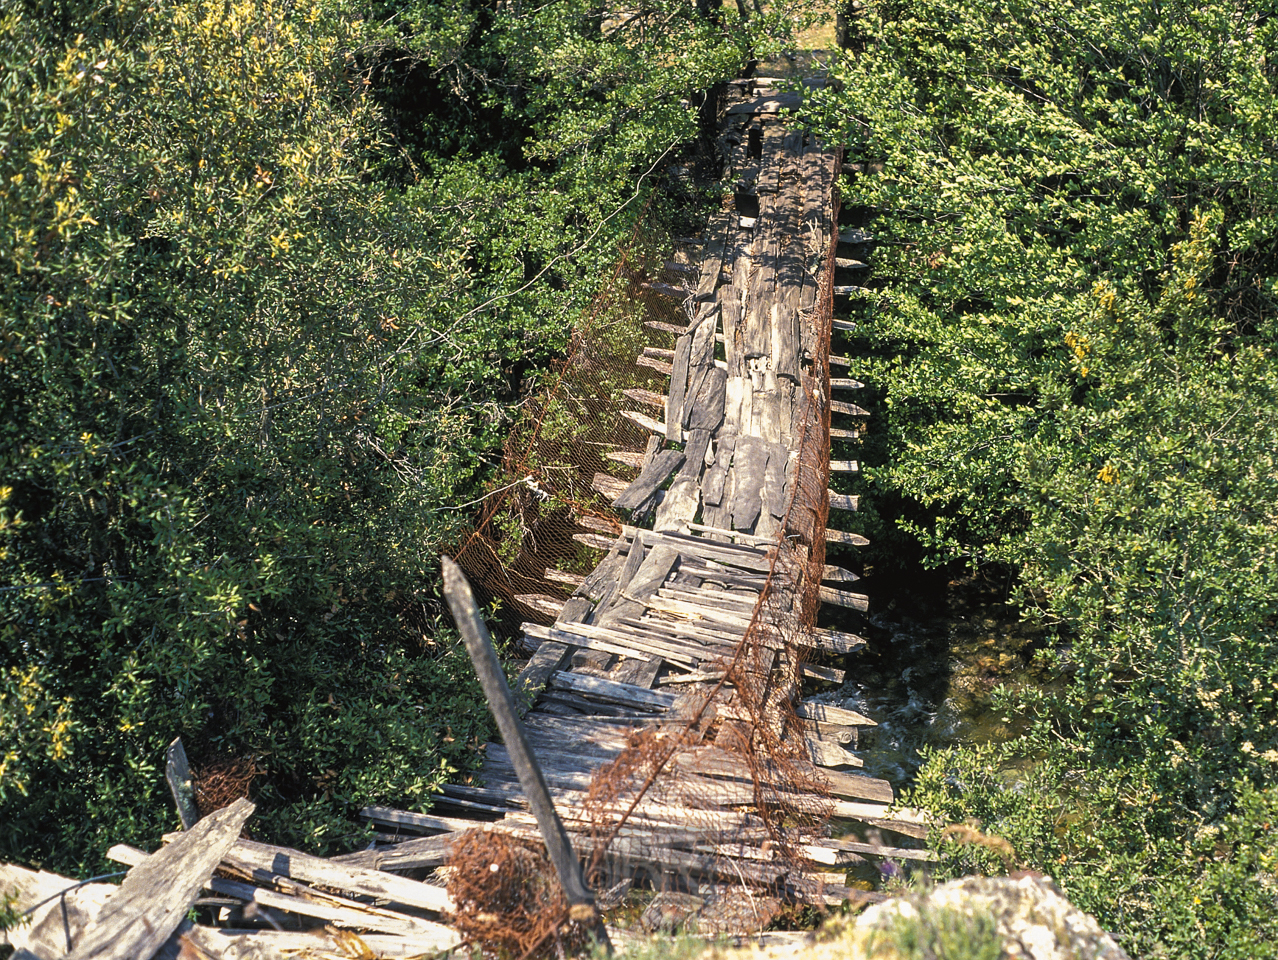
(827, 713)
(844, 466)
(851, 539)
(155, 896)
(612, 692)
(653, 476)
(844, 383)
(852, 601)
(838, 406)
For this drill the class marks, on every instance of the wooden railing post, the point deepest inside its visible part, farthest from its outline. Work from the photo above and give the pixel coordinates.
(502, 704)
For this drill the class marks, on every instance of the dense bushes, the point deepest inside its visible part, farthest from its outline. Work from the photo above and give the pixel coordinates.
(264, 309)
(1077, 225)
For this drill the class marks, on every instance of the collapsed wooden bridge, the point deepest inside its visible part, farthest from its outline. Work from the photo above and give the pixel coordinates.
(664, 703)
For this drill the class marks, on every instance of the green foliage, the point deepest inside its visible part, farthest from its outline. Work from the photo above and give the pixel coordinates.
(919, 931)
(273, 274)
(1076, 323)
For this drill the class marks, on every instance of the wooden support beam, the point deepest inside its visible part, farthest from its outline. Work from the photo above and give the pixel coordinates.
(844, 501)
(849, 539)
(844, 466)
(851, 601)
(840, 406)
(843, 383)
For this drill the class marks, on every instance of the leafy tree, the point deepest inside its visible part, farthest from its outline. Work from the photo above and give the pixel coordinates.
(1078, 291)
(273, 273)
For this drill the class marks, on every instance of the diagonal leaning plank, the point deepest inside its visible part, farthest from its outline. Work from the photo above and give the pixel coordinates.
(650, 479)
(156, 894)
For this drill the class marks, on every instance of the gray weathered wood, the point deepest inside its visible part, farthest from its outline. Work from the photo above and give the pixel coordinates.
(177, 771)
(653, 476)
(612, 692)
(156, 894)
(750, 461)
(549, 658)
(850, 539)
(852, 601)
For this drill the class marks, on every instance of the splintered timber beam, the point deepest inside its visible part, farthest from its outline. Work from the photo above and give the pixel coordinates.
(844, 383)
(844, 501)
(852, 601)
(850, 539)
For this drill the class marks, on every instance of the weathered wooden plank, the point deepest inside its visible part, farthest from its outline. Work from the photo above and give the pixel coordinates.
(836, 641)
(730, 318)
(650, 479)
(656, 568)
(757, 332)
(816, 672)
(850, 539)
(548, 658)
(351, 880)
(708, 406)
(622, 636)
(712, 259)
(412, 854)
(645, 422)
(563, 576)
(770, 162)
(639, 673)
(851, 601)
(844, 466)
(830, 753)
(838, 406)
(540, 603)
(845, 383)
(53, 923)
(713, 482)
(177, 771)
(678, 387)
(844, 501)
(660, 366)
(650, 397)
(156, 894)
(536, 632)
(833, 574)
(827, 713)
(750, 462)
(610, 691)
(838, 433)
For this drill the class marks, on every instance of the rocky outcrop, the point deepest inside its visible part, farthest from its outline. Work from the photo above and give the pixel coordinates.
(1028, 918)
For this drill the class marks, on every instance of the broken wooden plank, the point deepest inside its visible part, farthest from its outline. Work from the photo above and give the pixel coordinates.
(549, 658)
(851, 409)
(850, 539)
(610, 691)
(563, 576)
(155, 896)
(656, 568)
(836, 641)
(548, 606)
(828, 713)
(851, 601)
(650, 479)
(349, 879)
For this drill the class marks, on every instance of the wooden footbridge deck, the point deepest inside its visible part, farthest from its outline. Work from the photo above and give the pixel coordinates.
(725, 552)
(733, 480)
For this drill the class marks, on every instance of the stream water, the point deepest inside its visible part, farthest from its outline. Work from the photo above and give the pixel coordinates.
(938, 646)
